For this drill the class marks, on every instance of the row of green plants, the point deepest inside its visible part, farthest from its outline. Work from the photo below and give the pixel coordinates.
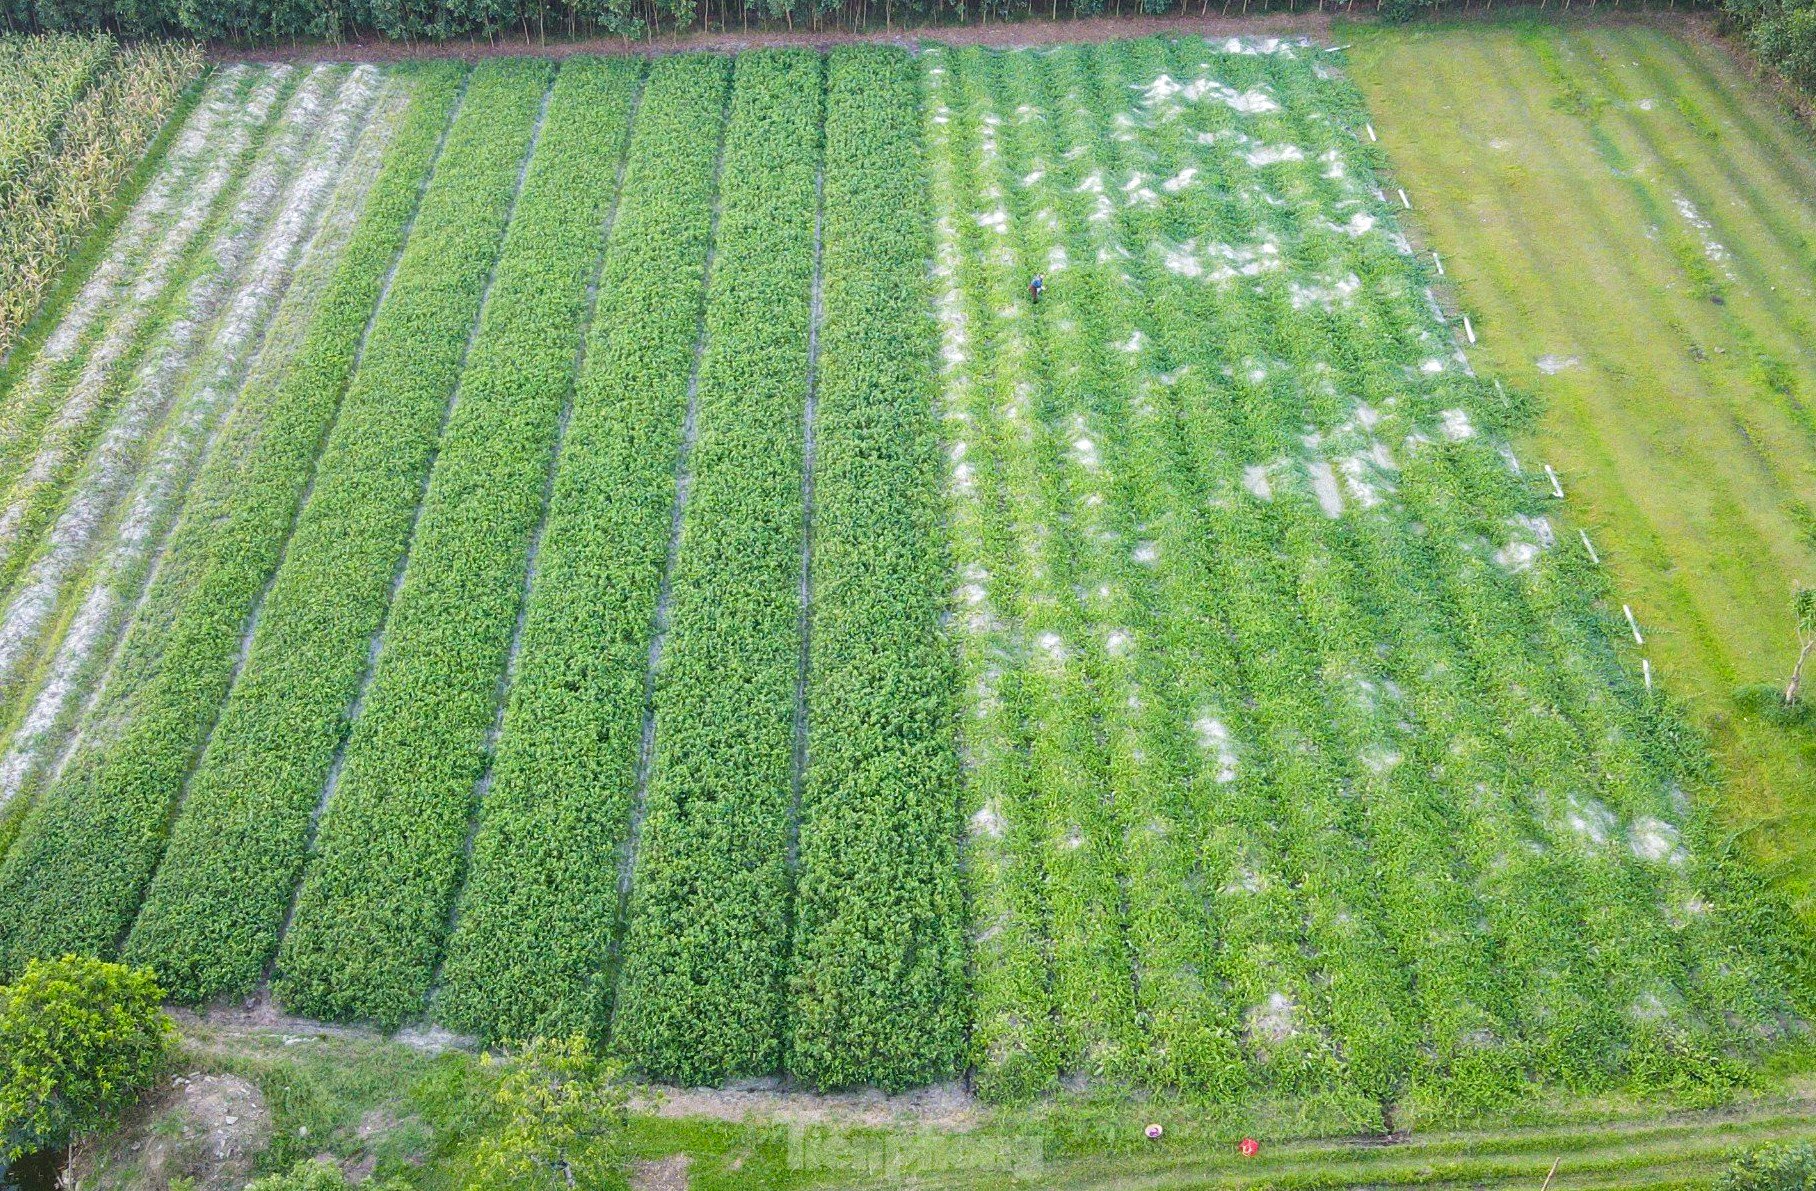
(1008, 968)
(80, 111)
(701, 992)
(1159, 785)
(311, 654)
(1392, 815)
(378, 897)
(270, 751)
(1428, 848)
(876, 989)
(1040, 449)
(183, 647)
(533, 945)
(63, 405)
(40, 80)
(42, 720)
(96, 537)
(36, 384)
(1369, 935)
(144, 250)
(66, 824)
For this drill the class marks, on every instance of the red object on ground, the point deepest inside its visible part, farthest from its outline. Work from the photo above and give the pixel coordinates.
(1249, 1147)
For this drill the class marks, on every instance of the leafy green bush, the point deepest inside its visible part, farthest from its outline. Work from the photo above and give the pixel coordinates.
(312, 1175)
(559, 1124)
(1773, 1168)
(78, 1040)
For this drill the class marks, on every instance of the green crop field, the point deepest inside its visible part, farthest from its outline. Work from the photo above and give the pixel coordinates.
(616, 545)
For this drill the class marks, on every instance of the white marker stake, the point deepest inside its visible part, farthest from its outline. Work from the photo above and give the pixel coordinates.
(1645, 668)
(1404, 201)
(1469, 330)
(1633, 624)
(1371, 132)
(1438, 261)
(1557, 489)
(1593, 556)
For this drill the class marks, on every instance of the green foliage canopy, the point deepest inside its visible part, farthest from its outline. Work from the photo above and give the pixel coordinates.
(79, 1038)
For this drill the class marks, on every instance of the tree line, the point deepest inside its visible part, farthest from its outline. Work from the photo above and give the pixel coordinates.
(1782, 32)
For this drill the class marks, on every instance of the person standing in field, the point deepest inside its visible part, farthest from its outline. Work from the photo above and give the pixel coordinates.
(1035, 288)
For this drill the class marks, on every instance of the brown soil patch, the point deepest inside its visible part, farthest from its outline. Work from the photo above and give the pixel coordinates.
(943, 1106)
(660, 1174)
(209, 1128)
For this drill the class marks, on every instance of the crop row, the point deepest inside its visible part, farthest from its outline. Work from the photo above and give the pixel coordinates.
(62, 853)
(65, 401)
(40, 80)
(103, 317)
(176, 663)
(91, 576)
(702, 985)
(38, 385)
(62, 162)
(1144, 632)
(194, 928)
(877, 975)
(374, 908)
(1360, 803)
(531, 950)
(256, 755)
(1009, 979)
(190, 374)
(1429, 930)
(117, 585)
(275, 745)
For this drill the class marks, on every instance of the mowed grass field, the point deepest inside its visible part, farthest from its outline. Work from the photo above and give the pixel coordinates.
(1631, 222)
(616, 545)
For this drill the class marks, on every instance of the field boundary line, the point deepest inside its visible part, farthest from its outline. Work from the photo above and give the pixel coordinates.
(509, 676)
(302, 504)
(665, 596)
(816, 309)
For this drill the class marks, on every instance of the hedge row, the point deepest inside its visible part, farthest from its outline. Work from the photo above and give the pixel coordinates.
(531, 950)
(701, 992)
(877, 989)
(373, 913)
